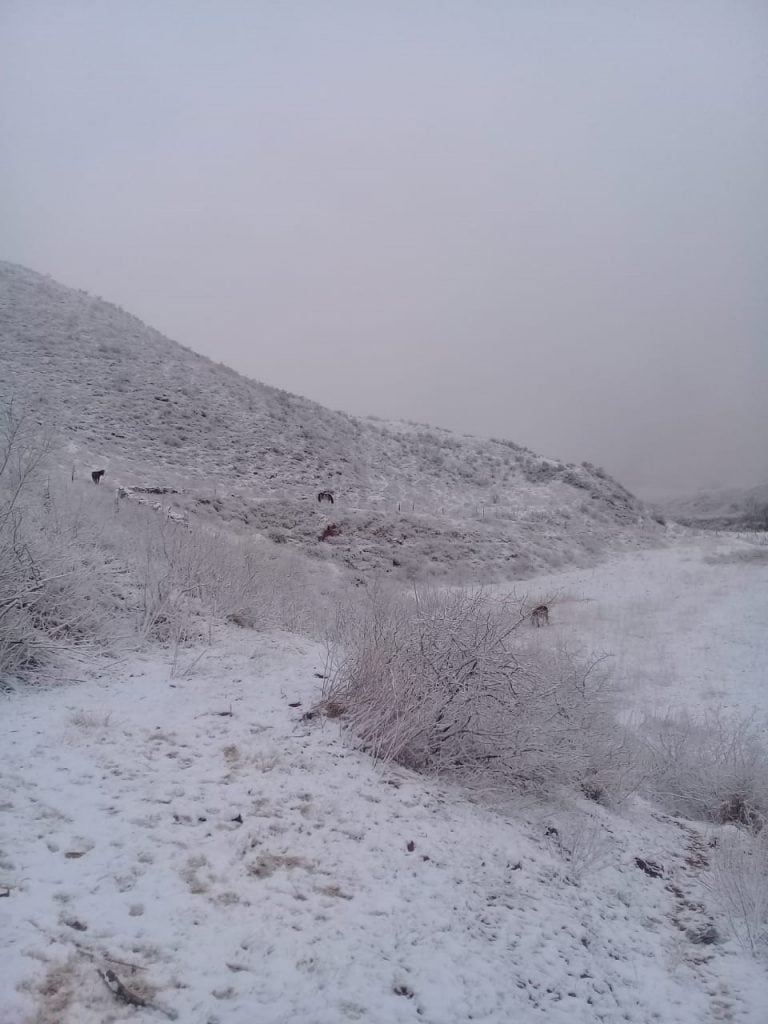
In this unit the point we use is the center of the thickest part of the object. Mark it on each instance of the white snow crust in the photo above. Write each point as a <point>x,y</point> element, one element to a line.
<point>234,863</point>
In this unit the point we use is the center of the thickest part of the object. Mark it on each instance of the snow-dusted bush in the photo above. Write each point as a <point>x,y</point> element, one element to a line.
<point>48,586</point>
<point>80,566</point>
<point>452,681</point>
<point>739,881</point>
<point>714,768</point>
<point>583,843</point>
<point>188,578</point>
<point>20,577</point>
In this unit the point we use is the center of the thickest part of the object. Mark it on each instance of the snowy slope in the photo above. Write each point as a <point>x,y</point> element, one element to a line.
<point>233,862</point>
<point>153,414</point>
<point>680,624</point>
<point>732,509</point>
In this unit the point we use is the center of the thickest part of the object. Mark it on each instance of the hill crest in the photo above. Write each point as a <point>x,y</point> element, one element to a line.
<point>123,397</point>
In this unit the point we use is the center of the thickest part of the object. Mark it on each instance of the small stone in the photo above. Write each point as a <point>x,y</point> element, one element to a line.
<point>704,935</point>
<point>650,867</point>
<point>72,922</point>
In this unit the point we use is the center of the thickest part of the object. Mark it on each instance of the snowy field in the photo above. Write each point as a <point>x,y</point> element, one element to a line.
<point>684,627</point>
<point>195,840</point>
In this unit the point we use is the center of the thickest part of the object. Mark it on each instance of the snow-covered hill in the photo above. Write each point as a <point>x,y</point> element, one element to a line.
<point>732,509</point>
<point>408,498</point>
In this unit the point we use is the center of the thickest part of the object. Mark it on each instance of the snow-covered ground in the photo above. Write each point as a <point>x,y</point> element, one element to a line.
<point>231,862</point>
<point>685,627</point>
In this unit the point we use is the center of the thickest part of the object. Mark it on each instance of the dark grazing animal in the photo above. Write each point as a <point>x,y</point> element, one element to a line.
<point>540,616</point>
<point>325,496</point>
<point>97,474</point>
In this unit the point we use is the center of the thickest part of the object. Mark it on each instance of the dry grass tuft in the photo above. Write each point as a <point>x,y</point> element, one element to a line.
<point>190,873</point>
<point>268,863</point>
<point>90,719</point>
<point>333,890</point>
<point>55,992</point>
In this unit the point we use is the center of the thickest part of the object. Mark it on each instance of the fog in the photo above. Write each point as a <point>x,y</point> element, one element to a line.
<point>538,220</point>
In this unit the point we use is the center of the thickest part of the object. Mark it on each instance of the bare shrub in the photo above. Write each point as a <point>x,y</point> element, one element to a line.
<point>445,681</point>
<point>713,768</point>
<point>193,577</point>
<point>48,586</point>
<point>79,570</point>
<point>739,881</point>
<point>583,843</point>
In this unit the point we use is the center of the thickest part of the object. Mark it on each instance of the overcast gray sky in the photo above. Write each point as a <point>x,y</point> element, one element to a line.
<point>534,219</point>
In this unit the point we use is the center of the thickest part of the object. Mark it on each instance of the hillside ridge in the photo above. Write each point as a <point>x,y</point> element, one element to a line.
<point>742,508</point>
<point>123,397</point>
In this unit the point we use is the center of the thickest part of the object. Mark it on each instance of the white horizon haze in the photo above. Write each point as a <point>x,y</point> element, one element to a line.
<point>545,222</point>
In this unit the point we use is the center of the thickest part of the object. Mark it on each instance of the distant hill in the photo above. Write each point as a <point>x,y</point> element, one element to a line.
<point>408,498</point>
<point>732,509</point>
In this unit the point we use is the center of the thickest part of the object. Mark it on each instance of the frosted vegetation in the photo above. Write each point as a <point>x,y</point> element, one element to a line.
<point>207,522</point>
<point>83,571</point>
<point>441,680</point>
